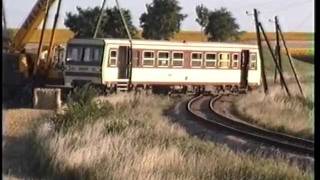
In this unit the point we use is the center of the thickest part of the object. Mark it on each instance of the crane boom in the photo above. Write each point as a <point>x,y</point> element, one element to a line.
<point>31,23</point>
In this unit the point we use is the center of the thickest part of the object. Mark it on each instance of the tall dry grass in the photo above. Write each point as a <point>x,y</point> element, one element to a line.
<point>136,141</point>
<point>277,111</point>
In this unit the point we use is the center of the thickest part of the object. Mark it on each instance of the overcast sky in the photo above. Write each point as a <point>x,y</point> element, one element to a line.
<point>294,15</point>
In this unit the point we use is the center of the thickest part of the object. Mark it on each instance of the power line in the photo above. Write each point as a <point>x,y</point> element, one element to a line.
<point>287,7</point>
<point>303,20</point>
<point>264,5</point>
<point>258,5</point>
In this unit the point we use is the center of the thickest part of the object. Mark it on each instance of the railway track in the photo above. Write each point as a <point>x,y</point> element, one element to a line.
<point>279,140</point>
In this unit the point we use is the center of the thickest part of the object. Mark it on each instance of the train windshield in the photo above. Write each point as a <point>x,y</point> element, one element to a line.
<point>84,54</point>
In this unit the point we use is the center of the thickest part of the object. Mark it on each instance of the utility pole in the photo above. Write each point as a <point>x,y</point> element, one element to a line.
<point>290,60</point>
<point>99,19</point>
<point>274,60</point>
<point>277,51</point>
<point>263,73</point>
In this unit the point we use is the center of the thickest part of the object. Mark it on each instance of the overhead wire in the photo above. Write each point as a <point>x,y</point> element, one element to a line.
<point>257,5</point>
<point>99,19</point>
<point>124,21</point>
<point>4,21</point>
<point>287,7</point>
<point>303,20</point>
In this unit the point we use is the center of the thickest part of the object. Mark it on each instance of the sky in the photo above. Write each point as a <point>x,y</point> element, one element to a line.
<point>293,15</point>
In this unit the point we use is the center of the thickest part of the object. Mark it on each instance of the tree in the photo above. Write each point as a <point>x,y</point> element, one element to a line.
<point>221,26</point>
<point>84,22</point>
<point>202,16</point>
<point>162,19</point>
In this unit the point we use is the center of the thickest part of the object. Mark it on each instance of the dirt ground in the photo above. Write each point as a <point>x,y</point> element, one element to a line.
<point>15,125</point>
<point>16,121</point>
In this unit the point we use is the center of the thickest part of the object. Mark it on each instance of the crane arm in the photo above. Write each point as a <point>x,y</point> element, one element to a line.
<point>31,23</point>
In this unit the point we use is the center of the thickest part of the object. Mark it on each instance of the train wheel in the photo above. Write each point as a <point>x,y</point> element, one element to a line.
<point>148,90</point>
<point>235,89</point>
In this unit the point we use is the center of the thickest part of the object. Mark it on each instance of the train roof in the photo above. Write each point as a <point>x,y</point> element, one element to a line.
<point>180,44</point>
<point>101,41</point>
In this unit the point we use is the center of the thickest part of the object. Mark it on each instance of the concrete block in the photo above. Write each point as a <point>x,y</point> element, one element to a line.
<point>47,98</point>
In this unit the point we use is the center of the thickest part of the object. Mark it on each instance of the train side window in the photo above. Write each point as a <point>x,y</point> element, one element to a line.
<point>196,60</point>
<point>96,54</point>
<point>148,59</point>
<point>163,59</point>
<point>87,54</point>
<point>211,60</point>
<point>113,58</point>
<point>224,60</point>
<point>235,60</point>
<point>177,59</point>
<point>253,61</point>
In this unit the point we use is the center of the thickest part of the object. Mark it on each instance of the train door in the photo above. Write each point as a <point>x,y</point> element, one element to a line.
<point>244,69</point>
<point>123,62</point>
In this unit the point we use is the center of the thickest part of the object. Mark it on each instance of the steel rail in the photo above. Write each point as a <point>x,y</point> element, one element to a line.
<point>291,143</point>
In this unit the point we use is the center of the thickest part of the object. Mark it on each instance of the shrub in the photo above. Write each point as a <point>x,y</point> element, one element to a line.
<point>82,95</point>
<point>81,109</point>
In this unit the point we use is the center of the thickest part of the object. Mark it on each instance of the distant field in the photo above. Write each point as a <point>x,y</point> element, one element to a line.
<point>248,36</point>
<point>304,54</point>
<point>63,35</point>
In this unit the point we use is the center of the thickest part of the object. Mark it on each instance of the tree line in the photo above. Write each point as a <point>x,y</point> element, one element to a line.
<point>161,21</point>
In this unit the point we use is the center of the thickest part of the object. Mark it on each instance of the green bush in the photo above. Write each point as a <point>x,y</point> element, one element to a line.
<point>82,95</point>
<point>81,109</point>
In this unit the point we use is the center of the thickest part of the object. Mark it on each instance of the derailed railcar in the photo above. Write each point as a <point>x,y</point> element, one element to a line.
<point>188,66</point>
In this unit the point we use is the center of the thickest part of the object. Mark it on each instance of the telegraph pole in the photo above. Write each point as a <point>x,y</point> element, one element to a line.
<point>274,60</point>
<point>290,60</point>
<point>278,51</point>
<point>263,73</point>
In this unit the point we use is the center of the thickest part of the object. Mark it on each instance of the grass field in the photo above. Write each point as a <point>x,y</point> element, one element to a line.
<point>304,54</point>
<point>277,111</point>
<point>248,36</point>
<point>132,139</point>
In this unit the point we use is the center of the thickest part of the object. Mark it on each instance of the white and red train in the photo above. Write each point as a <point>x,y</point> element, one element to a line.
<point>117,63</point>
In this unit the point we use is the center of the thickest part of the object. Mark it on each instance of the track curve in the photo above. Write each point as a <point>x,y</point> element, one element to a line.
<point>291,143</point>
